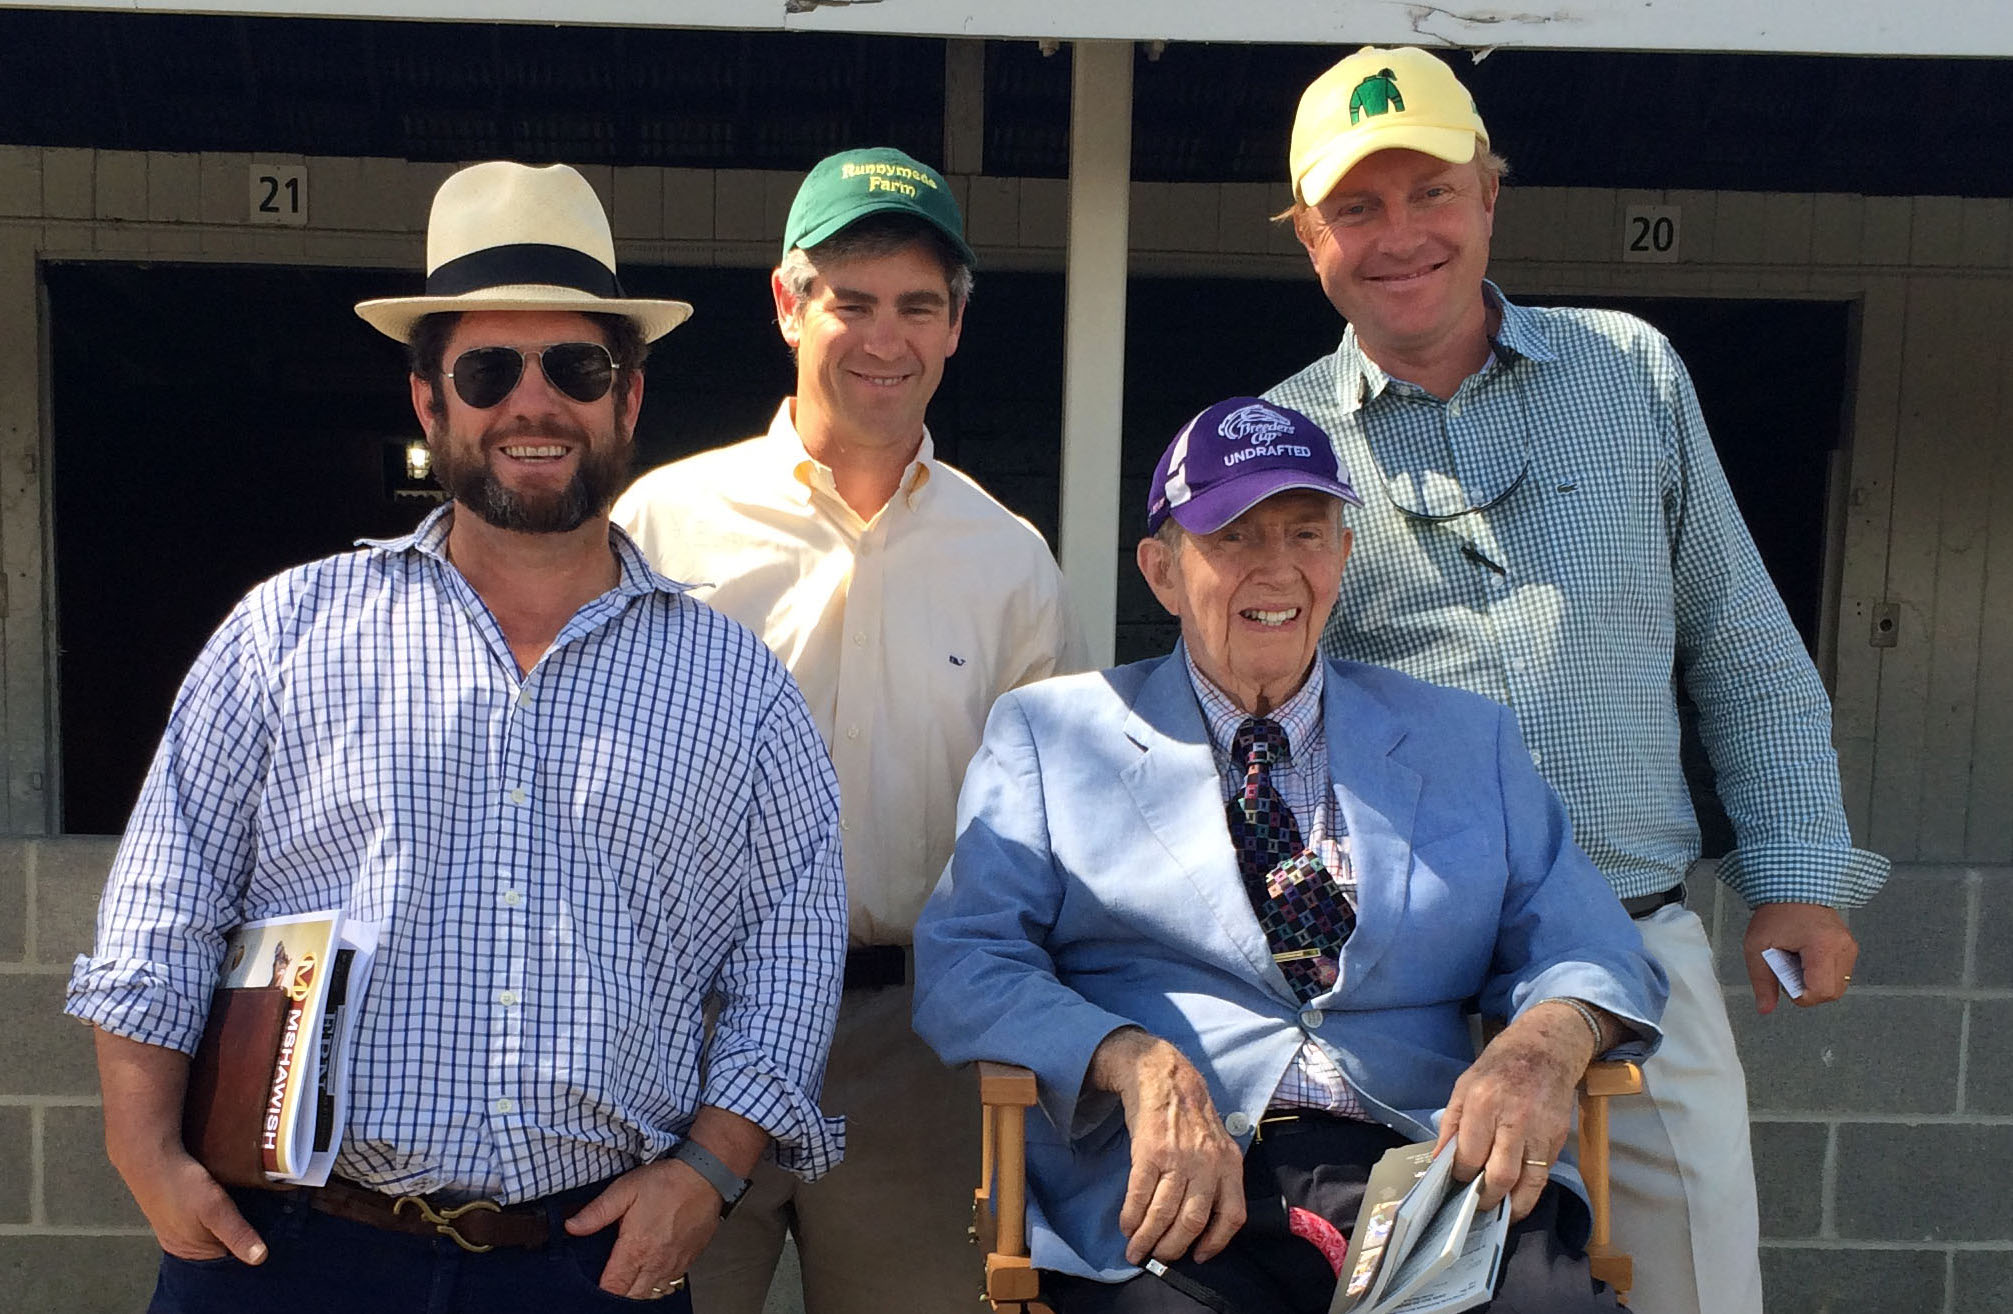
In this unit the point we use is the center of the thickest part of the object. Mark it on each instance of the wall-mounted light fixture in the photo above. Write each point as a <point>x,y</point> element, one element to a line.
<point>408,471</point>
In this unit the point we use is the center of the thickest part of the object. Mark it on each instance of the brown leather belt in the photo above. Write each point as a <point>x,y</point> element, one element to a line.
<point>475,1226</point>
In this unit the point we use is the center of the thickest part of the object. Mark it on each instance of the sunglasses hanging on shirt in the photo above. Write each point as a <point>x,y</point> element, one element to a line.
<point>582,371</point>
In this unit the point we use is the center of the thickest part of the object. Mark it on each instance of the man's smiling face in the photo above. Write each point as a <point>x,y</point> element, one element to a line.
<point>1252,597</point>
<point>871,338</point>
<point>537,461</point>
<point>1401,245</point>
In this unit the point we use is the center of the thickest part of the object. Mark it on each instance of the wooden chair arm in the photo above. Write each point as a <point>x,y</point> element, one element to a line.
<point>999,1205</point>
<point>1604,1080</point>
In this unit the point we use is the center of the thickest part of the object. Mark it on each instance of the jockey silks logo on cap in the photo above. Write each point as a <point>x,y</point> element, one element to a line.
<point>1259,426</point>
<point>1374,95</point>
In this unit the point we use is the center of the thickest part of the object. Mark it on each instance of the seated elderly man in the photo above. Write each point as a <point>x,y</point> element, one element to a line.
<point>1234,1008</point>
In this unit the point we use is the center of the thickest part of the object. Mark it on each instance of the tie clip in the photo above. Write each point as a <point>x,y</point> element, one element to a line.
<point>1296,955</point>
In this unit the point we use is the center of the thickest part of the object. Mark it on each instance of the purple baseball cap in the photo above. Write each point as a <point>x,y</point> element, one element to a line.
<point>1235,455</point>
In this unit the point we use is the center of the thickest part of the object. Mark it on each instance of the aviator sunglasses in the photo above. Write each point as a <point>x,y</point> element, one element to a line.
<point>484,376</point>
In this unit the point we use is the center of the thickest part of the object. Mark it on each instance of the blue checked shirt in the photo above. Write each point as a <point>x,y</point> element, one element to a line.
<point>1558,536</point>
<point>1313,1080</point>
<point>567,864</point>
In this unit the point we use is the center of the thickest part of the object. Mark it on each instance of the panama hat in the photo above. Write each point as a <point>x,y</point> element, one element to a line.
<point>507,236</point>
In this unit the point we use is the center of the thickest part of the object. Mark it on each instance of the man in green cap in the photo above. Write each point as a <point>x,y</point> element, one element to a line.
<point>904,600</point>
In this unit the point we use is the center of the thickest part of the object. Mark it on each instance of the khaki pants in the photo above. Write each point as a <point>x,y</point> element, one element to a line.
<point>1682,1173</point>
<point>885,1230</point>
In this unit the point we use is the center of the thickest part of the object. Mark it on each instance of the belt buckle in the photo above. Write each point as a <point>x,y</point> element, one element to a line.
<point>443,1219</point>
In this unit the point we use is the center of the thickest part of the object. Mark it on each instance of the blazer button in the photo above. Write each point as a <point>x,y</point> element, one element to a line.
<point>1237,1123</point>
<point>1311,1018</point>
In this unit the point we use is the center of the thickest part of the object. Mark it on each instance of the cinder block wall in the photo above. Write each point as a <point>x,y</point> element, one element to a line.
<point>1883,1124</point>
<point>71,1239</point>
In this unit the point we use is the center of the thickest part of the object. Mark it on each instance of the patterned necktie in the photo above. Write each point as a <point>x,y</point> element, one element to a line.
<point>1302,911</point>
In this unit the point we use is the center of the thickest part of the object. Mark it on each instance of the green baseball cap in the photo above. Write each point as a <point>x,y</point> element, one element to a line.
<point>843,189</point>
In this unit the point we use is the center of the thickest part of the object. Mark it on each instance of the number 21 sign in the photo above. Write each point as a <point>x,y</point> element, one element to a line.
<point>279,194</point>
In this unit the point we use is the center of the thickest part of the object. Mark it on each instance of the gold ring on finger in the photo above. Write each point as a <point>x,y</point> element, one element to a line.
<point>1537,1163</point>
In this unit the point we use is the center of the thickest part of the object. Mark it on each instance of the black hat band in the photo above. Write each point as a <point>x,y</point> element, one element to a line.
<point>522,263</point>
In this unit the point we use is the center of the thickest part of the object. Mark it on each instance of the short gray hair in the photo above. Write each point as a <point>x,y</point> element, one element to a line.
<point>875,236</point>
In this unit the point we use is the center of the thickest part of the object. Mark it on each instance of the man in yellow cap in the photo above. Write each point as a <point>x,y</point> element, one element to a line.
<point>1545,522</point>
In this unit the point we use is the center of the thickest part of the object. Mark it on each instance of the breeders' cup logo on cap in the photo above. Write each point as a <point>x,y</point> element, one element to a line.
<point>1261,427</point>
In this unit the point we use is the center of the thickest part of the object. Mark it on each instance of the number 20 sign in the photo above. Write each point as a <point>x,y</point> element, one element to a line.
<point>1650,232</point>
<point>279,194</point>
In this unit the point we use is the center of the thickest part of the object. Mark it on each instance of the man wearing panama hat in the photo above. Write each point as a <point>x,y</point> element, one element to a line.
<point>904,599</point>
<point>1545,523</point>
<point>580,804</point>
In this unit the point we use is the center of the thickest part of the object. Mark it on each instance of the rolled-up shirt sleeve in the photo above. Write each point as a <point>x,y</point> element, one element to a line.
<point>188,850</point>
<point>1764,717</point>
<point>779,987</point>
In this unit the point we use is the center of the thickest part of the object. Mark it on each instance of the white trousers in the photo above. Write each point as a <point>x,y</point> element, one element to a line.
<point>1683,1175</point>
<point>884,1232</point>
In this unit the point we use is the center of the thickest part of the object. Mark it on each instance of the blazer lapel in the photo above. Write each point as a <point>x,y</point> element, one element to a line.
<point>1175,785</point>
<point>1379,797</point>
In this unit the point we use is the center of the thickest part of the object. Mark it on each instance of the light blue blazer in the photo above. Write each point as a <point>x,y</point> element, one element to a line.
<point>1094,887</point>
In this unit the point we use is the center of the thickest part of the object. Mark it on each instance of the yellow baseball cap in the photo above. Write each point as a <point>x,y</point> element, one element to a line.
<point>1379,100</point>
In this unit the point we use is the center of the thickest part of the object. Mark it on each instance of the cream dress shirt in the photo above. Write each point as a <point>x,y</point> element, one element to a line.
<point>901,630</point>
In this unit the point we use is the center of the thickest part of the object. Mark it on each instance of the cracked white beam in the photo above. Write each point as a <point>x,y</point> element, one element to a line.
<point>1851,27</point>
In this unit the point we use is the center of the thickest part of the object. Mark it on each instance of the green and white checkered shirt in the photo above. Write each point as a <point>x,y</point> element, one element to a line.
<point>1559,536</point>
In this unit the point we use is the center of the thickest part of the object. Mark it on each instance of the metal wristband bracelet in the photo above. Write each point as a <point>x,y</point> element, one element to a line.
<point>1586,1015</point>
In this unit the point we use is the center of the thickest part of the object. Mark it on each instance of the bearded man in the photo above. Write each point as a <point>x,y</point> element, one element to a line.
<point>581,805</point>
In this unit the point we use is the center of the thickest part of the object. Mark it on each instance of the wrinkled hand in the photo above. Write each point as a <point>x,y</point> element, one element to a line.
<point>1515,1105</point>
<point>1816,934</point>
<point>668,1213</point>
<point>1187,1180</point>
<point>192,1216</point>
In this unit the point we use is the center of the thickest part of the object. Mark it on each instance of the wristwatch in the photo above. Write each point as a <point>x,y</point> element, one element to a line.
<point>717,1174</point>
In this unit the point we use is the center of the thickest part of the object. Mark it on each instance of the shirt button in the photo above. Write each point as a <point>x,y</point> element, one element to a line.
<point>507,998</point>
<point>1453,410</point>
<point>517,795</point>
<point>1237,1123</point>
<point>852,732</point>
<point>860,639</point>
<point>1311,1018</point>
<point>505,1105</point>
<point>524,697</point>
<point>845,825</point>
<point>1537,758</point>
<point>513,898</point>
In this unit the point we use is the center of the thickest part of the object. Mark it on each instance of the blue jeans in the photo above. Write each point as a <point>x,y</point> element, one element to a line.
<point>315,1261</point>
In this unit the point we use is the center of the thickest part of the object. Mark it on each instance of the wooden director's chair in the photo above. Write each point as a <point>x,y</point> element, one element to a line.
<point>999,1205</point>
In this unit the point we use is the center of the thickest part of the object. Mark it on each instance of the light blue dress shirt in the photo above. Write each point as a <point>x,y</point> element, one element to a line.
<point>1558,536</point>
